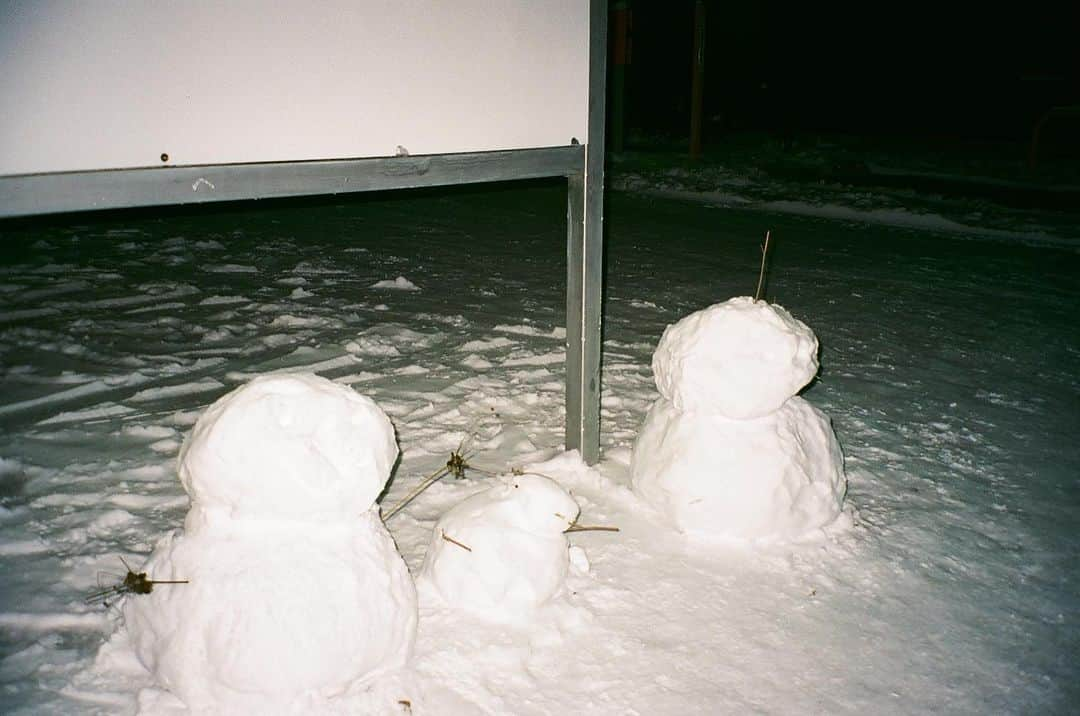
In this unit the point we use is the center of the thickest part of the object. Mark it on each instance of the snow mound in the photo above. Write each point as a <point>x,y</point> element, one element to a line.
<point>775,477</point>
<point>273,614</point>
<point>740,358</point>
<point>397,284</point>
<point>294,446</point>
<point>502,552</point>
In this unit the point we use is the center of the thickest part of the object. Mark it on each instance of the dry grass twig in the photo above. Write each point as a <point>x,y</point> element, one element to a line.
<point>451,540</point>
<point>133,583</point>
<point>455,465</point>
<point>761,274</point>
<point>590,528</point>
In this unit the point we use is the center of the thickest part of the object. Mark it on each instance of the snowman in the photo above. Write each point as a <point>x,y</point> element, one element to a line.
<point>730,450</point>
<point>502,553</point>
<point>294,591</point>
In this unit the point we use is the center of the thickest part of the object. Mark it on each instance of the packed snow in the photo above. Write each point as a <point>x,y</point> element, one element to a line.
<point>292,446</point>
<point>282,473</point>
<point>740,358</point>
<point>503,553</point>
<point>780,476</point>
<point>729,450</point>
<point>948,366</point>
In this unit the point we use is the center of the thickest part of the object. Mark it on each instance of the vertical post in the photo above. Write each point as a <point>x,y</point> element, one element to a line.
<point>576,418</point>
<point>697,83</point>
<point>585,254</point>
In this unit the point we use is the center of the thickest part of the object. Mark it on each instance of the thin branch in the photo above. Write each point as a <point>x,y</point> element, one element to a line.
<point>424,484</point>
<point>761,275</point>
<point>455,465</point>
<point>590,528</point>
<point>451,540</point>
<point>522,471</point>
<point>482,471</point>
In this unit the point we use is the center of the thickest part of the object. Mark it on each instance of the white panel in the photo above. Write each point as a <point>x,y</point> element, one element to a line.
<point>107,84</point>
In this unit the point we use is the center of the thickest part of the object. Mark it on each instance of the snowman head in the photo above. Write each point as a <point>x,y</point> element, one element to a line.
<point>537,504</point>
<point>289,446</point>
<point>740,359</point>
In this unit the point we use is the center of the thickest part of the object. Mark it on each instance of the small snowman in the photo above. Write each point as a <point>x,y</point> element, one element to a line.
<point>295,590</point>
<point>729,450</point>
<point>503,553</point>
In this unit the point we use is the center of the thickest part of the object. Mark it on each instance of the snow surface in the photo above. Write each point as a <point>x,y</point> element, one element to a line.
<point>949,366</point>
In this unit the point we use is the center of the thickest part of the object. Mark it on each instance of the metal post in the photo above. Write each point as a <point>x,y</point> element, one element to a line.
<point>575,302</point>
<point>585,254</point>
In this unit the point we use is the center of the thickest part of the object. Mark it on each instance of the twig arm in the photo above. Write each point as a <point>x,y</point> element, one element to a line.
<point>424,484</point>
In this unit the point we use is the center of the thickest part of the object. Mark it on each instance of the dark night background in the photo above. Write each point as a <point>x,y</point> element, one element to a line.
<point>980,71</point>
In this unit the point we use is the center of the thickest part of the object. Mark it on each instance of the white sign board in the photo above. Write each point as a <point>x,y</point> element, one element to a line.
<point>107,84</point>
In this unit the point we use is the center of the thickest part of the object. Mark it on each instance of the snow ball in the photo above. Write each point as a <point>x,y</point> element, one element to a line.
<point>502,552</point>
<point>292,446</point>
<point>273,614</point>
<point>740,358</point>
<point>777,477</point>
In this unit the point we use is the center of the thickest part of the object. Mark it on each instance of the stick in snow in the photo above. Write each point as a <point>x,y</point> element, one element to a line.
<point>451,540</point>
<point>761,275</point>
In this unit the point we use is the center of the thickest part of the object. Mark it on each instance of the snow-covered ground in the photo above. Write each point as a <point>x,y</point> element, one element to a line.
<point>950,367</point>
<point>967,188</point>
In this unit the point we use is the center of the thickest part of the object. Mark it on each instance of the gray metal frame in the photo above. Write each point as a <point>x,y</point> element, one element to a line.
<point>582,165</point>
<point>28,194</point>
<point>585,259</point>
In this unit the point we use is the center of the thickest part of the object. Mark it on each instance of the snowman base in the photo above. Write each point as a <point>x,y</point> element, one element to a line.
<point>272,612</point>
<point>776,477</point>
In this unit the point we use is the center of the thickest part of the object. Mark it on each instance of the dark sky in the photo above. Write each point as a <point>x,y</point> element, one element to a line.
<point>976,71</point>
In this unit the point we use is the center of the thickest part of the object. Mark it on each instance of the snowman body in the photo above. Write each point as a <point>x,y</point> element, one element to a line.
<point>295,590</point>
<point>502,553</point>
<point>729,450</point>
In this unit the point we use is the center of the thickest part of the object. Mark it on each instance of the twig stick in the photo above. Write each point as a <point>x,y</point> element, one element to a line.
<point>761,275</point>
<point>515,471</point>
<point>424,484</point>
<point>451,540</point>
<point>523,471</point>
<point>482,471</point>
<point>590,528</point>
